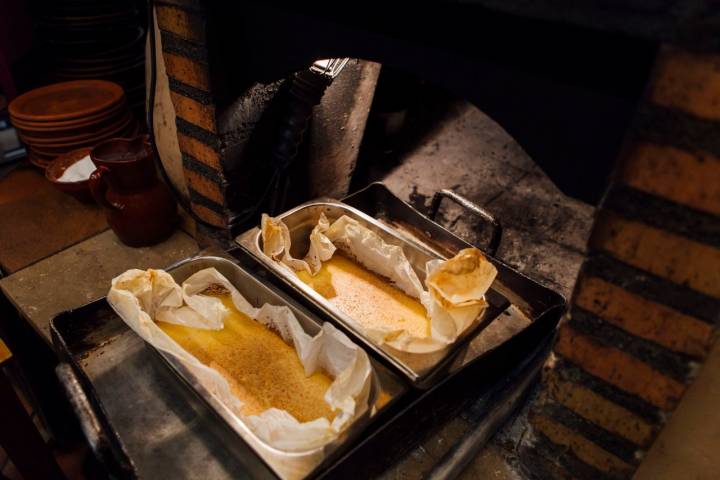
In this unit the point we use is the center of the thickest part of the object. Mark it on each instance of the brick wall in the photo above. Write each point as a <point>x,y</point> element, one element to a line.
<point>222,138</point>
<point>647,302</point>
<point>184,50</point>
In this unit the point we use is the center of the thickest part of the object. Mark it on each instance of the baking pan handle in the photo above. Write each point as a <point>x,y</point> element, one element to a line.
<point>90,422</point>
<point>475,209</point>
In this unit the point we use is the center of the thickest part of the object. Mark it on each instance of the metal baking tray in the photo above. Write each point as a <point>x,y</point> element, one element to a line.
<point>159,428</point>
<point>386,388</point>
<point>422,370</point>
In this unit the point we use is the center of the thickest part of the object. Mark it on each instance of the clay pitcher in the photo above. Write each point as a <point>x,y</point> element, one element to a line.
<point>139,207</point>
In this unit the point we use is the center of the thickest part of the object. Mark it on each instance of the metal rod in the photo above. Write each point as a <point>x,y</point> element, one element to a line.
<point>502,403</point>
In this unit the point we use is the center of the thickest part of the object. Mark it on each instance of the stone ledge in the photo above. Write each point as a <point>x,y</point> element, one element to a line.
<point>84,270</point>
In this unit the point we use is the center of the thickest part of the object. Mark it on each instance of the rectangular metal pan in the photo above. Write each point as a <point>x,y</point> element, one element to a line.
<point>422,370</point>
<point>386,388</point>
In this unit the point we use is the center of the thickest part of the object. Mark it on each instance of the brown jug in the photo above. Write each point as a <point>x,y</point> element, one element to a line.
<point>139,207</point>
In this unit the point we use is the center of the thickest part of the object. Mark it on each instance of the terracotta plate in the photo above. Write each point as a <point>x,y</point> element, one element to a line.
<point>43,158</point>
<point>66,100</point>
<point>60,149</point>
<point>62,138</point>
<point>69,125</point>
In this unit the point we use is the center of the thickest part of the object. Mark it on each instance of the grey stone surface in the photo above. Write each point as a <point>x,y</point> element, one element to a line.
<point>544,260</point>
<point>490,464</point>
<point>545,232</point>
<point>533,204</point>
<point>337,129</point>
<point>237,122</point>
<point>82,273</point>
<point>468,152</point>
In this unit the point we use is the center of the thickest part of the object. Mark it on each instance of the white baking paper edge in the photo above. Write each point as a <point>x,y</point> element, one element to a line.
<point>447,321</point>
<point>139,296</point>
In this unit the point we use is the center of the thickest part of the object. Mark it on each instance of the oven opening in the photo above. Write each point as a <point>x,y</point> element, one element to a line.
<point>421,139</point>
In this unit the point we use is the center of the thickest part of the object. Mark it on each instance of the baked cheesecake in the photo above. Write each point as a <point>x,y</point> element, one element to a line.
<point>367,298</point>
<point>263,371</point>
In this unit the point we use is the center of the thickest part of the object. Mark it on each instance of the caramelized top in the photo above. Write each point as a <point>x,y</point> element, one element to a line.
<point>263,371</point>
<point>367,298</point>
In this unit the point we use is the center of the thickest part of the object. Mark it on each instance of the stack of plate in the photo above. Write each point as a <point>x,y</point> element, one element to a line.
<point>98,39</point>
<point>58,118</point>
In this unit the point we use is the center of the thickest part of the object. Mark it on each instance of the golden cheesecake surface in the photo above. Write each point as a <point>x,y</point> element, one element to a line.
<point>366,297</point>
<point>263,371</point>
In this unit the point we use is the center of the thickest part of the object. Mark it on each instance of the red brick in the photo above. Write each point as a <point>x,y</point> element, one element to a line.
<point>584,449</point>
<point>209,216</point>
<point>205,186</point>
<point>691,179</point>
<point>644,318</point>
<point>688,81</point>
<point>187,71</point>
<point>668,255</point>
<point>599,410</point>
<point>619,368</point>
<point>182,23</point>
<point>194,112</point>
<point>200,151</point>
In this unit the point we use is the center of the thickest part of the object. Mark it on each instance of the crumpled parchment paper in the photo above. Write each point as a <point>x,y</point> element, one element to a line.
<point>143,297</point>
<point>455,294</point>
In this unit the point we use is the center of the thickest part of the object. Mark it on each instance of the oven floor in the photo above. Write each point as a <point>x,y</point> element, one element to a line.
<point>466,151</point>
<point>545,234</point>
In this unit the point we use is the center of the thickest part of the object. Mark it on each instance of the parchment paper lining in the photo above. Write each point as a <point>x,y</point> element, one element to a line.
<point>455,296</point>
<point>143,297</point>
